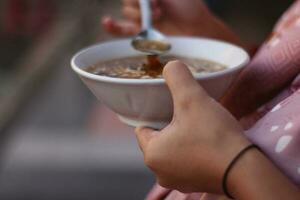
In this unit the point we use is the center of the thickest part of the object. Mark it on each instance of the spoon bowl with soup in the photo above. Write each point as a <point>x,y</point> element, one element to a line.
<point>149,40</point>
<point>119,76</point>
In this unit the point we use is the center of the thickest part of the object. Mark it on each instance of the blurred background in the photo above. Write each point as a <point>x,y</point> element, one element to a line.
<point>57,142</point>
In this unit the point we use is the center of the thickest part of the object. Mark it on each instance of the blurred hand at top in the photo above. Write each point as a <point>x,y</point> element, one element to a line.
<point>171,17</point>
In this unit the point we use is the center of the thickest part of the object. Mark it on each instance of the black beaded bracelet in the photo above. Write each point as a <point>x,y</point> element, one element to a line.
<point>224,181</point>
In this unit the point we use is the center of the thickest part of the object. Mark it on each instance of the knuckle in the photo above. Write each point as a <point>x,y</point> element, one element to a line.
<point>151,160</point>
<point>185,103</point>
<point>194,92</point>
<point>191,96</point>
<point>164,183</point>
<point>191,99</point>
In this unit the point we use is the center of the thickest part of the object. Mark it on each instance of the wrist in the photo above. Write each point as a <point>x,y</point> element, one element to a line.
<point>237,182</point>
<point>255,177</point>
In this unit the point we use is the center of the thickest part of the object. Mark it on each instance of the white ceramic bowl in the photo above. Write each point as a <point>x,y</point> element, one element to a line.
<point>147,102</point>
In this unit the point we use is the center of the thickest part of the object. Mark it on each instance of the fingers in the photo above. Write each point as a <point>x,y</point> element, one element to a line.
<point>183,87</point>
<point>132,13</point>
<point>144,135</point>
<point>119,28</point>
<point>131,10</point>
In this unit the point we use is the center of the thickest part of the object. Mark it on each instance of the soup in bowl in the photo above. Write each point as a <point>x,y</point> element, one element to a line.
<point>132,86</point>
<point>150,66</point>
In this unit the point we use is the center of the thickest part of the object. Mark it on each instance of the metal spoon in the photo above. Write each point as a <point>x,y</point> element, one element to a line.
<point>149,40</point>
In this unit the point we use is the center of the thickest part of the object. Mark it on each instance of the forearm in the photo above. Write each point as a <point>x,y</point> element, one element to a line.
<point>254,177</point>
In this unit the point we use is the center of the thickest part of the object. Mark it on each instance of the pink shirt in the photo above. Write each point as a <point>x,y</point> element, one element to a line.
<point>266,97</point>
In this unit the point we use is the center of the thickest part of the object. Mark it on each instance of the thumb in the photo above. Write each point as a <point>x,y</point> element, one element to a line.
<point>144,136</point>
<point>183,87</point>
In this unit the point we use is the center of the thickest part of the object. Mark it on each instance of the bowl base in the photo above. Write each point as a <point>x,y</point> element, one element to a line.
<point>137,122</point>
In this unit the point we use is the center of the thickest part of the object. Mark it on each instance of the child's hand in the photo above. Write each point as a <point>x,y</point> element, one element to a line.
<point>172,17</point>
<point>192,152</point>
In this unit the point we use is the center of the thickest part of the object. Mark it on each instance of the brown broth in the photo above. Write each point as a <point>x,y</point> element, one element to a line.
<point>141,67</point>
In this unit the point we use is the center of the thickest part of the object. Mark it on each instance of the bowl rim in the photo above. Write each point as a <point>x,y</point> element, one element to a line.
<point>108,79</point>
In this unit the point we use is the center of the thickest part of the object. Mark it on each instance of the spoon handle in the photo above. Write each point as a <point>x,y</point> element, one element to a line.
<point>146,14</point>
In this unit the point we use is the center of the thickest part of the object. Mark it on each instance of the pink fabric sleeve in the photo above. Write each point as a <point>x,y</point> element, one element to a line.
<point>278,134</point>
<point>273,68</point>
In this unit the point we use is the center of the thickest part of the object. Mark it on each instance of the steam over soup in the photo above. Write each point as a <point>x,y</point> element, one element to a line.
<point>141,67</point>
